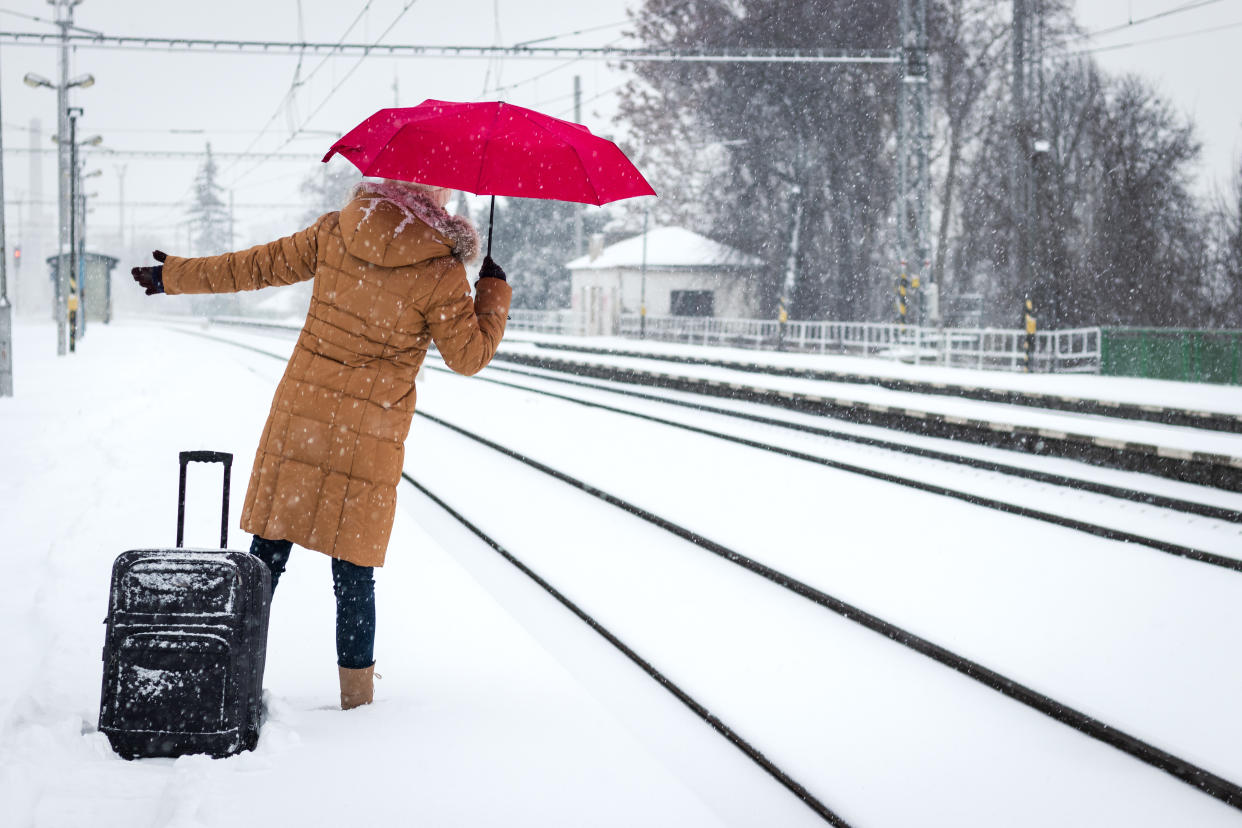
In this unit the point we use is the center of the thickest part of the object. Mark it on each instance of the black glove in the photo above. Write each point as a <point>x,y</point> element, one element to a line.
<point>151,278</point>
<point>491,270</point>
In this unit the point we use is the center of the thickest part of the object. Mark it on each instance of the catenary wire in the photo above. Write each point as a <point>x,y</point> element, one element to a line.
<point>335,88</point>
<point>1162,39</point>
<point>1185,7</point>
<point>294,83</point>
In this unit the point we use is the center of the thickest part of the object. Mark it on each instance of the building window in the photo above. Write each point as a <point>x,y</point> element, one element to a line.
<point>692,303</point>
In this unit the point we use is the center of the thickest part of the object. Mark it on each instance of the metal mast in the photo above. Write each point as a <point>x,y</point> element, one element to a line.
<point>64,18</point>
<point>1019,177</point>
<point>6,308</point>
<point>913,181</point>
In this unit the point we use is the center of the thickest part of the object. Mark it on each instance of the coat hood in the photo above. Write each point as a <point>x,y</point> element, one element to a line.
<point>390,225</point>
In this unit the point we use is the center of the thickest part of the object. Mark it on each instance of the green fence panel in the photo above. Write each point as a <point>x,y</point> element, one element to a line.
<point>1172,354</point>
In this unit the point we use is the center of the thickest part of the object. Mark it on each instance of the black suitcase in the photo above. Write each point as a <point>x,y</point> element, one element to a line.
<point>186,643</point>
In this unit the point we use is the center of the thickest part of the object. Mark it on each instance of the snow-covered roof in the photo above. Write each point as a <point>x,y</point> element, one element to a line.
<point>667,247</point>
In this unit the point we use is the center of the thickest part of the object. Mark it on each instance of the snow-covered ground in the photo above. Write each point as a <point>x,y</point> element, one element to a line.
<point>477,722</point>
<point>497,707</point>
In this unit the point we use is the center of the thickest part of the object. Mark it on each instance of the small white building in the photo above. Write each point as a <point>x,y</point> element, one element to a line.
<point>685,274</point>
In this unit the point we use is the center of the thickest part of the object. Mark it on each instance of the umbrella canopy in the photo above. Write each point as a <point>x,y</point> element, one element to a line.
<point>494,149</point>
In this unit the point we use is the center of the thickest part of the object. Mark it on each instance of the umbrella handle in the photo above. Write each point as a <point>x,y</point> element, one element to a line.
<point>491,220</point>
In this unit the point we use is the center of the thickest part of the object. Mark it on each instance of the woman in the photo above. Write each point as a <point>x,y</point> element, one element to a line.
<point>389,282</point>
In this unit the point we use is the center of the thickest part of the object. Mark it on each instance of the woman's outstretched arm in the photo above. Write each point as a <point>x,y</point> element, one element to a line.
<point>281,262</point>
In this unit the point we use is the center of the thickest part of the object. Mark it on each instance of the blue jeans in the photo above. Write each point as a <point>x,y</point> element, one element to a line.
<point>354,587</point>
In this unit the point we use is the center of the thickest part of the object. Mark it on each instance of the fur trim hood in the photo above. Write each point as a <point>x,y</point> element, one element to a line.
<point>390,224</point>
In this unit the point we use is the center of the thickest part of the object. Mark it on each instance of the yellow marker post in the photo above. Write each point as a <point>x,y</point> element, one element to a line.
<point>1028,346</point>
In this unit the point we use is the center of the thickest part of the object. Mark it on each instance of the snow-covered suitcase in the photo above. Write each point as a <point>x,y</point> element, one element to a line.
<point>186,644</point>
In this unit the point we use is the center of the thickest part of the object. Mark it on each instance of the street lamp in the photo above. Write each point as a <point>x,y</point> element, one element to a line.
<point>35,81</point>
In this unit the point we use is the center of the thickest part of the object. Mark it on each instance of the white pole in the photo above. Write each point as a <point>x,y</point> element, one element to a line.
<point>6,309</point>
<point>64,18</point>
<point>642,300</point>
<point>120,224</point>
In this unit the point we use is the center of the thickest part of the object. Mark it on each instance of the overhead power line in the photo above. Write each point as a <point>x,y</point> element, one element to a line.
<point>332,91</point>
<point>571,34</point>
<point>407,50</point>
<point>196,155</point>
<point>1184,7</point>
<point>1164,38</point>
<point>45,20</point>
<point>94,202</point>
<point>300,81</point>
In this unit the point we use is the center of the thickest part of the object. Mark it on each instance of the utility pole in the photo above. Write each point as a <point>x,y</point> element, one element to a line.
<point>913,179</point>
<point>120,224</point>
<point>73,302</point>
<point>1020,154</point>
<point>578,208</point>
<point>64,19</point>
<point>6,308</point>
<point>642,299</point>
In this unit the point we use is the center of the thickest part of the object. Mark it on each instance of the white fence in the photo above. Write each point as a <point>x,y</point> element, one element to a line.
<point>564,322</point>
<point>1076,350</point>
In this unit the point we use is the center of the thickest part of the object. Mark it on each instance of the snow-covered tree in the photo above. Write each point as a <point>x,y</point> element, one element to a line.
<point>209,213</point>
<point>326,189</point>
<point>211,233</point>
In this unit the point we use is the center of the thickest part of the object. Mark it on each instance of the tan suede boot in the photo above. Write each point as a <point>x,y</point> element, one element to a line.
<point>357,686</point>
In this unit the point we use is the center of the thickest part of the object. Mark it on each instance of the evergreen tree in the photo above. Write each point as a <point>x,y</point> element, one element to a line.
<point>326,189</point>
<point>209,214</point>
<point>211,233</point>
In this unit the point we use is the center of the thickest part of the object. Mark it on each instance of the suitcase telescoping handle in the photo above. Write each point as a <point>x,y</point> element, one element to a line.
<point>205,457</point>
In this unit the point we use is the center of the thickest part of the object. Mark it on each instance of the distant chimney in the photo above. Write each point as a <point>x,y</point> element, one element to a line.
<point>597,246</point>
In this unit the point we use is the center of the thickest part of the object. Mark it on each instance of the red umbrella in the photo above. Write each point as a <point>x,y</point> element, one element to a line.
<point>492,149</point>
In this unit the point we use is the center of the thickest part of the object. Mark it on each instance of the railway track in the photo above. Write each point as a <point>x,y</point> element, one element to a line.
<point>1200,778</point>
<point>1064,480</point>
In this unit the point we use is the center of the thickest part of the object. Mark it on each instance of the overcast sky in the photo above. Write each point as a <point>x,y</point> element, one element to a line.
<point>141,96</point>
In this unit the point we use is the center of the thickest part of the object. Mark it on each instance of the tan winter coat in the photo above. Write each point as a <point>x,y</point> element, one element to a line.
<point>389,281</point>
